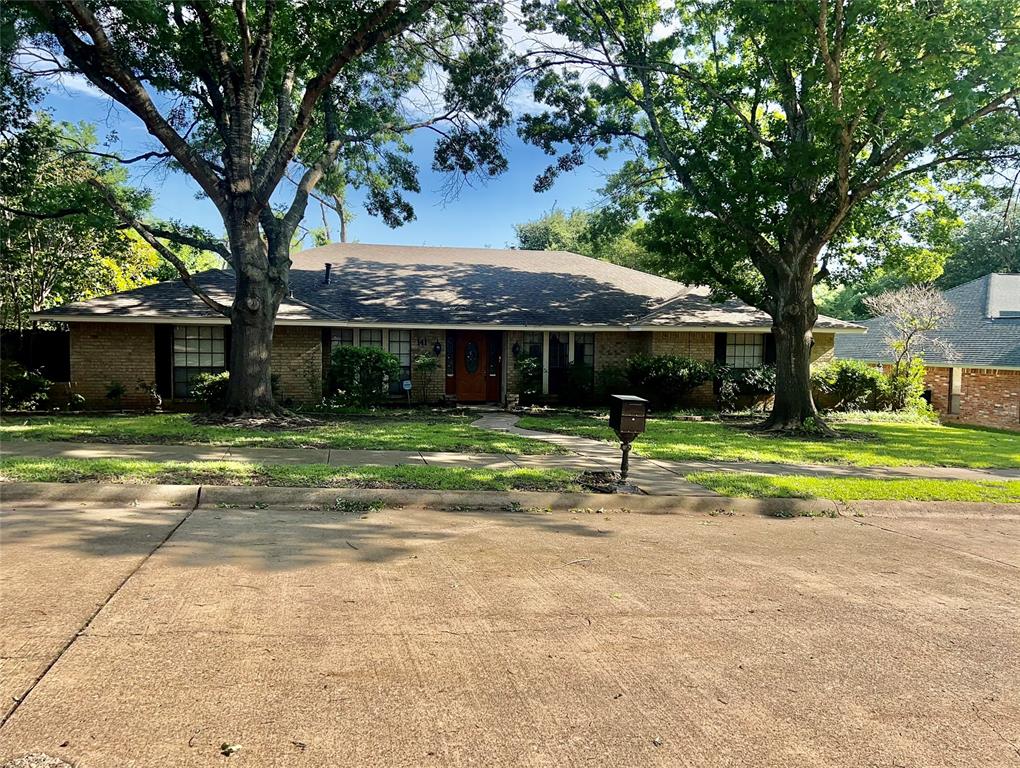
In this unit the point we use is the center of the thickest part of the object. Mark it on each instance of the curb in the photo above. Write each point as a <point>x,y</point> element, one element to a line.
<point>211,496</point>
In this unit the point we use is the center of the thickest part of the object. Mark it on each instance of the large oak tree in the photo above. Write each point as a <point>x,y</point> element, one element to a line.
<point>240,94</point>
<point>769,139</point>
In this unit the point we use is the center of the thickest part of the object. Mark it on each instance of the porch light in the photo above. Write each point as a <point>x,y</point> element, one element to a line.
<point>516,349</point>
<point>437,348</point>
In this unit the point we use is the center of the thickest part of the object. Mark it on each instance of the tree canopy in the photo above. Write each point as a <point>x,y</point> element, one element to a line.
<point>240,94</point>
<point>580,232</point>
<point>770,142</point>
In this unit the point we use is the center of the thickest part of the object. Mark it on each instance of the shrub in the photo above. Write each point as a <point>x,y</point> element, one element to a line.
<point>530,370</point>
<point>611,380</point>
<point>748,383</point>
<point>20,388</point>
<point>211,389</point>
<point>664,380</point>
<point>849,385</point>
<point>904,387</point>
<point>115,393</point>
<point>580,383</point>
<point>359,376</point>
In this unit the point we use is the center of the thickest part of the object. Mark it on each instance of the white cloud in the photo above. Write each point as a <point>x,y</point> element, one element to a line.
<point>49,67</point>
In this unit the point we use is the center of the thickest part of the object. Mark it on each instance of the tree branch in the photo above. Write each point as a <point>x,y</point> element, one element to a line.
<point>151,238</point>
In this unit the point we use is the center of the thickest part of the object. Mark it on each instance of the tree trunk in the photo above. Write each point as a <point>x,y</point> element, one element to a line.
<point>793,409</point>
<point>259,291</point>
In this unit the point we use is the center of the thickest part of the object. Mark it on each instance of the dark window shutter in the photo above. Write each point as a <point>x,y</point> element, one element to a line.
<point>770,349</point>
<point>164,344</point>
<point>720,349</point>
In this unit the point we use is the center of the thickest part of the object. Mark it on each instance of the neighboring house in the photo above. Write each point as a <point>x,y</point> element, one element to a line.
<point>478,310</point>
<point>978,382</point>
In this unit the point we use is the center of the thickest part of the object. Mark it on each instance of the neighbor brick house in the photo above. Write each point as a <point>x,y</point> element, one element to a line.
<point>478,310</point>
<point>978,381</point>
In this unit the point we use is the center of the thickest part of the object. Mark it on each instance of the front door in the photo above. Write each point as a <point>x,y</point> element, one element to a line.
<point>472,366</point>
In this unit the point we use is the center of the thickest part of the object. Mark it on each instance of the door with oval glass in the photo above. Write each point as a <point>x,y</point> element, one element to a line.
<point>472,366</point>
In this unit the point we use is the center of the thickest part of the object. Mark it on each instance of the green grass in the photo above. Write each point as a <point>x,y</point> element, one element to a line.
<point>870,444</point>
<point>857,489</point>
<point>60,470</point>
<point>413,432</point>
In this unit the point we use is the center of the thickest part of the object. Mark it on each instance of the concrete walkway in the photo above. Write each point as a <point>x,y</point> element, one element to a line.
<point>505,422</point>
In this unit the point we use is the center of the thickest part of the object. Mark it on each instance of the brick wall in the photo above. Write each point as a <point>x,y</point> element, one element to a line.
<point>102,353</point>
<point>297,362</point>
<point>422,342</point>
<point>824,349</point>
<point>989,398</point>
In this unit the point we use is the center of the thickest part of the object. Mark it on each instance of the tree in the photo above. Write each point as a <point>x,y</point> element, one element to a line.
<point>988,243</point>
<point>582,232</point>
<point>913,314</point>
<point>770,138</point>
<point>60,242</point>
<point>237,92</point>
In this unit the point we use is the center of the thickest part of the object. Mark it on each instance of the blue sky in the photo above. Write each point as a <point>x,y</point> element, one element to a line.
<point>481,215</point>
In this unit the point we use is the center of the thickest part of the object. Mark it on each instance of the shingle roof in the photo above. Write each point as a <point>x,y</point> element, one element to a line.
<point>982,332</point>
<point>451,286</point>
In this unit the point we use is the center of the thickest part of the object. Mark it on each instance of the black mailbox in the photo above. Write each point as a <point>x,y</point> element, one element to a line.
<point>627,414</point>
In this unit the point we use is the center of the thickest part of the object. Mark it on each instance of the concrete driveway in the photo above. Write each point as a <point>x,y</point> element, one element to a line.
<point>152,636</point>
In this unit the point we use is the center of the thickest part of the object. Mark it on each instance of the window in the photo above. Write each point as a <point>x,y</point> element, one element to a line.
<point>197,349</point>
<point>584,349</point>
<point>533,344</point>
<point>744,350</point>
<point>370,337</point>
<point>342,337</point>
<point>400,347</point>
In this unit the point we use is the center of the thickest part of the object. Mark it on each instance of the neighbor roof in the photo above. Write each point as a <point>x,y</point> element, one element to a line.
<point>416,285</point>
<point>984,331</point>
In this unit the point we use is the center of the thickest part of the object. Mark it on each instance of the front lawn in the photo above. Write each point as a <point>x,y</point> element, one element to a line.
<point>411,432</point>
<point>856,489</point>
<point>872,444</point>
<point>60,470</point>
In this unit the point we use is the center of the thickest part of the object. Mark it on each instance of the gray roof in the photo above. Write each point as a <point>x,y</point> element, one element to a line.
<point>411,285</point>
<point>984,331</point>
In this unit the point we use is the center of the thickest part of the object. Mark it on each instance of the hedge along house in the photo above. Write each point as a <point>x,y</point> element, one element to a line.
<point>477,310</point>
<point>979,382</point>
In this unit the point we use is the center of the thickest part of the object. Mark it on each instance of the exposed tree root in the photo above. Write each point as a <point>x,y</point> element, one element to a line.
<point>277,420</point>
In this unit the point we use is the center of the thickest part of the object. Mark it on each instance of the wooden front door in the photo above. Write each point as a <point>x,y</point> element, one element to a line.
<point>472,366</point>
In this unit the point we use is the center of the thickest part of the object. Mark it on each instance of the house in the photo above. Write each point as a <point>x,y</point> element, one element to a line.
<point>477,310</point>
<point>978,381</point>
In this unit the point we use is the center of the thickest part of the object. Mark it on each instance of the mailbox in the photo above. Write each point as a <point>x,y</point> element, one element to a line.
<point>627,415</point>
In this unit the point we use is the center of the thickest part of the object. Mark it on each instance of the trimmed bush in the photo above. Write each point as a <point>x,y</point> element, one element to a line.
<point>664,380</point>
<point>211,390</point>
<point>20,388</point>
<point>849,385</point>
<point>360,376</point>
<point>747,384</point>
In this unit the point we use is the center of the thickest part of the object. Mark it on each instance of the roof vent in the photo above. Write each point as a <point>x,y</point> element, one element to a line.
<point>329,268</point>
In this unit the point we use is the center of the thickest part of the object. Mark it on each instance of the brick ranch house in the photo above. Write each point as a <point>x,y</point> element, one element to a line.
<point>477,310</point>
<point>979,383</point>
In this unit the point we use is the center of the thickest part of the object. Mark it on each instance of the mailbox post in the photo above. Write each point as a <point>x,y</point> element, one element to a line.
<point>627,415</point>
